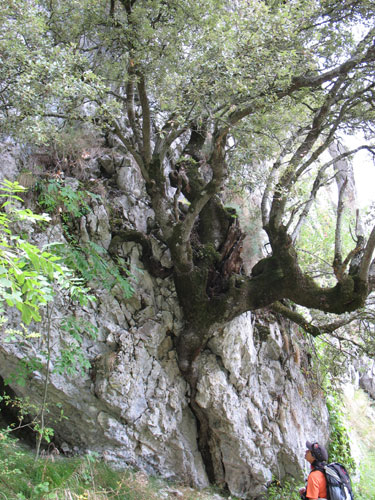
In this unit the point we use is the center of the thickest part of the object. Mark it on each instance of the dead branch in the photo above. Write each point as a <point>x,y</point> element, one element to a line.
<point>301,321</point>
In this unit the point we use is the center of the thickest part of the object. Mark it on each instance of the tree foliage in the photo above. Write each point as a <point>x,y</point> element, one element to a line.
<point>27,273</point>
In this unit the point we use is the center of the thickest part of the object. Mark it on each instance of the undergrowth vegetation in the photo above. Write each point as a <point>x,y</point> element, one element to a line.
<point>86,478</point>
<point>339,444</point>
<point>287,489</point>
<point>89,260</point>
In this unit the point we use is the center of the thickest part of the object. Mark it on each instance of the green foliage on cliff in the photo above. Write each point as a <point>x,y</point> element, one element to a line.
<point>339,443</point>
<point>29,279</point>
<point>56,196</point>
<point>27,273</point>
<point>286,489</point>
<point>92,263</point>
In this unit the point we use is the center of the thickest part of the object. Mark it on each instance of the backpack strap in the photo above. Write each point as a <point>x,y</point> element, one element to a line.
<point>331,474</point>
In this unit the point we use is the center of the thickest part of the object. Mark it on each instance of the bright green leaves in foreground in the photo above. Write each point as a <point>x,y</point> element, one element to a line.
<point>27,273</point>
<point>29,277</point>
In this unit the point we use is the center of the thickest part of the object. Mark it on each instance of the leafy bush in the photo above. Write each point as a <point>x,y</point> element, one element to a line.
<point>25,270</point>
<point>282,490</point>
<point>28,277</point>
<point>55,195</point>
<point>53,477</point>
<point>27,273</point>
<point>339,444</point>
<point>93,264</point>
<point>89,260</point>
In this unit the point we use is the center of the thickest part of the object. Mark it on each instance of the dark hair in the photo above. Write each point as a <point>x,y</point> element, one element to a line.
<point>318,451</point>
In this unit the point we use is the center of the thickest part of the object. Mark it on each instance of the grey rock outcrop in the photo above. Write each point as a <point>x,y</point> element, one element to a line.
<point>367,376</point>
<point>133,405</point>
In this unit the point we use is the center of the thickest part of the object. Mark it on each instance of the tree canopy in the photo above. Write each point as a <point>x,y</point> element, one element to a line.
<point>203,94</point>
<point>206,90</point>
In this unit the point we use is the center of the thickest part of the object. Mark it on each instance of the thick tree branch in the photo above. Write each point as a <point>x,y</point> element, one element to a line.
<point>149,260</point>
<point>200,197</point>
<point>359,56</point>
<point>346,296</point>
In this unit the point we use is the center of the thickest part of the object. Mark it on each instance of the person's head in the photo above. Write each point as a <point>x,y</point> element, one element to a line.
<point>315,451</point>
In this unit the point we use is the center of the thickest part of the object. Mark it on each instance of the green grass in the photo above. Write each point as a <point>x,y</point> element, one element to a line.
<point>85,478</point>
<point>60,478</point>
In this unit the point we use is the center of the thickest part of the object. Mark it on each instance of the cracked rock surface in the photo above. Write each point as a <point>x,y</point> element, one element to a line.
<point>133,405</point>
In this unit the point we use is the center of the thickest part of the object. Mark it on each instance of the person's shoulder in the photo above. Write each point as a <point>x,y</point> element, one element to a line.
<point>317,473</point>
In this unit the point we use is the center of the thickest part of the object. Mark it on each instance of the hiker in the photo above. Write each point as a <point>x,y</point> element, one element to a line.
<point>316,487</point>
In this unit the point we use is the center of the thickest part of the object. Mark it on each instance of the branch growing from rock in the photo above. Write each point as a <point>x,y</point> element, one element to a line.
<point>150,261</point>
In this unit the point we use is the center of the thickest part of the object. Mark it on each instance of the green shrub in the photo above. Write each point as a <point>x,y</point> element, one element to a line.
<point>92,263</point>
<point>54,477</point>
<point>55,195</point>
<point>339,443</point>
<point>282,490</point>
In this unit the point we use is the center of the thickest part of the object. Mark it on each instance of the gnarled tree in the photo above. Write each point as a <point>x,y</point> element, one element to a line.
<point>195,91</point>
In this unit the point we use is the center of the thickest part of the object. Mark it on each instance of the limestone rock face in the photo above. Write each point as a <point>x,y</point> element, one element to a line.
<point>260,405</point>
<point>367,377</point>
<point>133,405</point>
<point>9,160</point>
